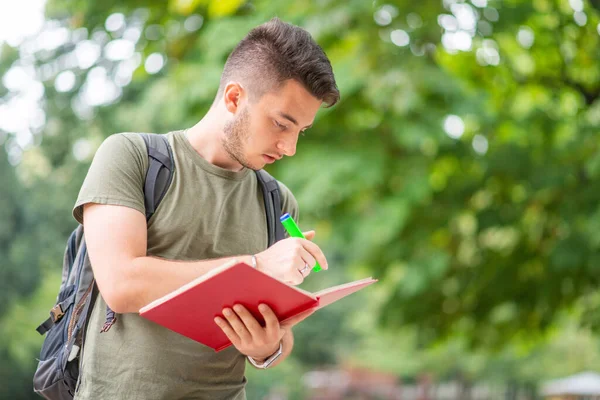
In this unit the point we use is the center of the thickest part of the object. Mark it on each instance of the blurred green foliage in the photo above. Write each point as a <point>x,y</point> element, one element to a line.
<point>460,168</point>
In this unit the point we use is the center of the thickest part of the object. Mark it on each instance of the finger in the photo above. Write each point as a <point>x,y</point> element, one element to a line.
<point>301,260</point>
<point>271,320</point>
<point>295,278</point>
<point>237,325</point>
<point>296,319</point>
<point>248,319</point>
<point>315,251</point>
<point>309,235</point>
<point>308,260</point>
<point>302,274</point>
<point>228,331</point>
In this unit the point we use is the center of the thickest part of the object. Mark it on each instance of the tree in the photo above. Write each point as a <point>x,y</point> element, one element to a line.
<point>459,168</point>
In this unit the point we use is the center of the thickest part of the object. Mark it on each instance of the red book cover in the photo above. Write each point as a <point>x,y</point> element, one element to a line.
<point>191,309</point>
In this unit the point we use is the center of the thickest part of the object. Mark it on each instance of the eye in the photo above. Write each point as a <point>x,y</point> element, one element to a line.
<point>280,126</point>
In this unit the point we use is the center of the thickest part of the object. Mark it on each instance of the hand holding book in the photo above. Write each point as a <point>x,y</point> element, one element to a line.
<point>247,334</point>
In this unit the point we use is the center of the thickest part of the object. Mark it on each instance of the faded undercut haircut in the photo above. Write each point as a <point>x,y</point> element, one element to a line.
<point>275,52</point>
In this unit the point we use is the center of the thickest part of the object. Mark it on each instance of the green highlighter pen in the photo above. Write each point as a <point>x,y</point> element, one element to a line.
<point>290,226</point>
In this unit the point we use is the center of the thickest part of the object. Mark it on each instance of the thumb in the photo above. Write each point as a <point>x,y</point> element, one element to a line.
<point>309,235</point>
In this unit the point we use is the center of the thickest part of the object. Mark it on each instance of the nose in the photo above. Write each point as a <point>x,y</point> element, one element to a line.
<point>288,146</point>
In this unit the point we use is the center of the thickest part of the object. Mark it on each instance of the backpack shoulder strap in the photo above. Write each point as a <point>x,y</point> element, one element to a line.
<point>161,168</point>
<point>272,197</point>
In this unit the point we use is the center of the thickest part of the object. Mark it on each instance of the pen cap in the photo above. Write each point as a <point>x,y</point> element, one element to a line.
<point>284,217</point>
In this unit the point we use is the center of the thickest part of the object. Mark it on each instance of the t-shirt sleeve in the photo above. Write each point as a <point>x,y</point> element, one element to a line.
<point>116,175</point>
<point>288,203</point>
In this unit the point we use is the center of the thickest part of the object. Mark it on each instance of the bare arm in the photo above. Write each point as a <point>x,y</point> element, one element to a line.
<point>116,237</point>
<point>126,277</point>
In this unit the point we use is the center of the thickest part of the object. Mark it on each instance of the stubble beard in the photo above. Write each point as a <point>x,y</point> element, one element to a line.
<point>236,134</point>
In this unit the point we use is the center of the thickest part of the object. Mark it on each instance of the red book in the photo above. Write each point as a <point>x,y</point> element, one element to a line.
<point>191,309</point>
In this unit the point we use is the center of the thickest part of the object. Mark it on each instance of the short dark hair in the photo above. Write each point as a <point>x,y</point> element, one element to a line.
<point>277,51</point>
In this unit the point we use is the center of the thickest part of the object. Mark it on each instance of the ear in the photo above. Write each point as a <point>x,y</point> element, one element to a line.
<point>233,95</point>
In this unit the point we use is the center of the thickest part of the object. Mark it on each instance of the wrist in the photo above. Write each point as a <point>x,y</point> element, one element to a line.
<point>258,360</point>
<point>266,362</point>
<point>263,357</point>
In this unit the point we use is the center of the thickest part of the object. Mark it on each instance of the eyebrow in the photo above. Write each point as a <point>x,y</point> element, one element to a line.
<point>292,119</point>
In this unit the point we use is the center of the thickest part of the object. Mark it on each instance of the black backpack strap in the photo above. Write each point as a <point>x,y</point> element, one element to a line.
<point>161,168</point>
<point>272,197</point>
<point>56,314</point>
<point>45,326</point>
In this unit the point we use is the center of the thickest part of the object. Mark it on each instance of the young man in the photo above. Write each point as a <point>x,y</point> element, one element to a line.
<point>273,84</point>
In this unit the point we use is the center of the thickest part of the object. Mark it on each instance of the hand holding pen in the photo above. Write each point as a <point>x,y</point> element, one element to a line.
<point>292,259</point>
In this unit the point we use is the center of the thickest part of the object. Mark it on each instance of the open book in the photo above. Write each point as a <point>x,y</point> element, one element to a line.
<point>191,309</point>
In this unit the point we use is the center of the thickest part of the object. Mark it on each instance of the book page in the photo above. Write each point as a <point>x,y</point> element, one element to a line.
<point>335,293</point>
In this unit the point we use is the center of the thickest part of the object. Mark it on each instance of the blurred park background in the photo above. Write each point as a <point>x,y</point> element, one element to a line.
<point>460,168</point>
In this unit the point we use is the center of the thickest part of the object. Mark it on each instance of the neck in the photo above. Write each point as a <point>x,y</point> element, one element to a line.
<point>206,137</point>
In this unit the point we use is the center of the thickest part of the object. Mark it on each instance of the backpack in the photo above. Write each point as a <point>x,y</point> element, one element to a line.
<point>58,367</point>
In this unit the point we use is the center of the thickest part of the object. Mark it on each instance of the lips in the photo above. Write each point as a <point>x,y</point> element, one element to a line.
<point>268,159</point>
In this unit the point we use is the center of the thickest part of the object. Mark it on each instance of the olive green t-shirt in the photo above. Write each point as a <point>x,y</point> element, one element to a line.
<point>208,212</point>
